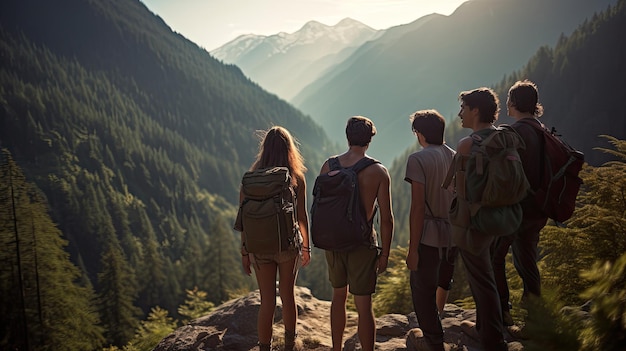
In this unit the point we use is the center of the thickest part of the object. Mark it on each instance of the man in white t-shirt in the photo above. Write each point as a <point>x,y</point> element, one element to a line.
<point>431,254</point>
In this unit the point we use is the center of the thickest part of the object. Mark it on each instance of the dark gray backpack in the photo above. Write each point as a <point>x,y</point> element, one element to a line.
<point>338,220</point>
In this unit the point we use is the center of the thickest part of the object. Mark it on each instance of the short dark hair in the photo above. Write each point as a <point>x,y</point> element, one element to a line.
<point>431,124</point>
<point>359,131</point>
<point>486,100</point>
<point>524,96</point>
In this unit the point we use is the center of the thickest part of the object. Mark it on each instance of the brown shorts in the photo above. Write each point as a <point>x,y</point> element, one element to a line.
<point>281,257</point>
<point>355,268</point>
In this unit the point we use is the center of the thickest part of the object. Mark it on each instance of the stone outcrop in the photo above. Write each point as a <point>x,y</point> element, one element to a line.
<point>232,326</point>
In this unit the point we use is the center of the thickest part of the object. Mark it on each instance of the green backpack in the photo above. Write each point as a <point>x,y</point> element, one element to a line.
<point>489,185</point>
<point>267,215</point>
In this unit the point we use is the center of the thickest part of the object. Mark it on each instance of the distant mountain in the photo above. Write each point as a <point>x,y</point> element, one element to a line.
<point>425,64</point>
<point>285,63</point>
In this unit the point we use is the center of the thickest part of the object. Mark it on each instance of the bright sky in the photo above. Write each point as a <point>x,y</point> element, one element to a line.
<point>213,23</point>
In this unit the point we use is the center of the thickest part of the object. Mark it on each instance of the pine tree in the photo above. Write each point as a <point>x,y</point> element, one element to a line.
<point>151,269</point>
<point>118,291</point>
<point>221,266</point>
<point>54,312</point>
<point>606,329</point>
<point>151,331</point>
<point>196,305</point>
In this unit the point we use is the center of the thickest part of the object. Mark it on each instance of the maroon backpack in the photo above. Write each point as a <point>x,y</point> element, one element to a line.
<point>560,165</point>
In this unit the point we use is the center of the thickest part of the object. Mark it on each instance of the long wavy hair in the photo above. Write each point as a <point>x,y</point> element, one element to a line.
<point>279,149</point>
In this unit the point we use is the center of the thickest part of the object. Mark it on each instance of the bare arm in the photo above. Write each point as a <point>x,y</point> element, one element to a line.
<point>465,146</point>
<point>386,218</point>
<point>303,221</point>
<point>245,256</point>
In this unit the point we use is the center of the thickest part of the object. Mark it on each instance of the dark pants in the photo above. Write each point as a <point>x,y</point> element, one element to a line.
<point>482,282</point>
<point>525,255</point>
<point>446,268</point>
<point>435,268</point>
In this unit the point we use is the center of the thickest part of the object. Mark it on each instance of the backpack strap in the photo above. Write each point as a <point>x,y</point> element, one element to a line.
<point>358,167</point>
<point>363,163</point>
<point>449,175</point>
<point>478,140</point>
<point>333,163</point>
<point>456,165</point>
<point>426,201</point>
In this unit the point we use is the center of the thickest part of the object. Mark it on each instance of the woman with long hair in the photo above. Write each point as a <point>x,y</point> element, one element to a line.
<point>279,149</point>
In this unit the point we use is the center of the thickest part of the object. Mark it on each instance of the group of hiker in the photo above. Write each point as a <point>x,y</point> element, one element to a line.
<point>457,205</point>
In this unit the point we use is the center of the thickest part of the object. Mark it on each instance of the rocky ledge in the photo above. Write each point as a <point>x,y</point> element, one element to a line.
<point>232,326</point>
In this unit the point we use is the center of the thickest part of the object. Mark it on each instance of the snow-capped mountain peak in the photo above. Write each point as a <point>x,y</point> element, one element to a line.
<point>346,33</point>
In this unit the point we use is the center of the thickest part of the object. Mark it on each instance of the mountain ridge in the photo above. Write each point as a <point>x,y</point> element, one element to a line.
<point>284,63</point>
<point>283,41</point>
<point>426,63</point>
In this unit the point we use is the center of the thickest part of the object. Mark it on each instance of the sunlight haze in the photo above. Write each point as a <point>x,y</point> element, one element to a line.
<point>213,23</point>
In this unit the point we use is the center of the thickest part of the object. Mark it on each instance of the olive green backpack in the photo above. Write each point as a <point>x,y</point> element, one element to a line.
<point>489,185</point>
<point>267,215</point>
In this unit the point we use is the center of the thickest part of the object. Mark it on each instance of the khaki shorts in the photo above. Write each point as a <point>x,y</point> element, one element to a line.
<point>278,258</point>
<point>355,268</point>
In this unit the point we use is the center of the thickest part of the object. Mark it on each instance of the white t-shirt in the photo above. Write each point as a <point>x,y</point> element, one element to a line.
<point>429,166</point>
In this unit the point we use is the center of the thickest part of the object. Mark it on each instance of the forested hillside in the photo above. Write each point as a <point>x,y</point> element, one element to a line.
<point>134,140</point>
<point>579,82</point>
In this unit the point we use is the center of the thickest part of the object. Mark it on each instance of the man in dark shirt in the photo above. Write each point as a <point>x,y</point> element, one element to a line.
<point>522,104</point>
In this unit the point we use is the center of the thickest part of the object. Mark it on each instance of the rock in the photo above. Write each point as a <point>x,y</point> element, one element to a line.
<point>415,340</point>
<point>232,326</point>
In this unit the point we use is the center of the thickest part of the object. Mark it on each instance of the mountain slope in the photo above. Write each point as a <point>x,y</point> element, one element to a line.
<point>138,139</point>
<point>579,82</point>
<point>426,64</point>
<point>285,63</point>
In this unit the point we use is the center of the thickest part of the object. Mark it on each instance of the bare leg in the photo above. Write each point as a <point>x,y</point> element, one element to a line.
<point>367,324</point>
<point>286,283</point>
<point>266,279</point>
<point>338,316</point>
